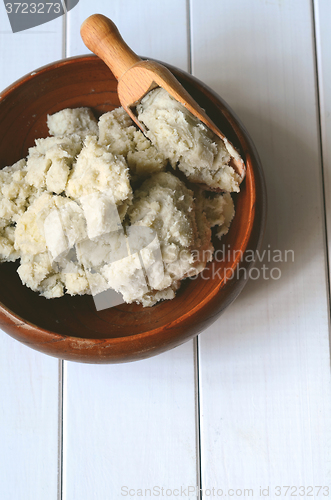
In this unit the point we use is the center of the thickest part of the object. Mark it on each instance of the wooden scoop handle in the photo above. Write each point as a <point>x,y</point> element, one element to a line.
<point>102,37</point>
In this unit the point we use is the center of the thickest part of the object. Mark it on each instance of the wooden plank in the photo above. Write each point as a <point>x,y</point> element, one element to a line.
<point>29,381</point>
<point>322,10</point>
<point>43,44</point>
<point>29,422</point>
<point>265,365</point>
<point>130,427</point>
<point>155,30</point>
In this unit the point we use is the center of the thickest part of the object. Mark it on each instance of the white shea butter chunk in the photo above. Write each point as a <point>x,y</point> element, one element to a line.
<point>76,283</point>
<point>80,121</point>
<point>101,213</point>
<point>7,241</point>
<point>49,162</point>
<point>92,210</point>
<point>165,205</point>
<point>15,196</point>
<point>217,209</point>
<point>120,135</point>
<point>29,233</point>
<point>102,251</point>
<point>116,131</point>
<point>202,156</point>
<point>73,222</point>
<point>15,191</point>
<point>126,276</point>
<point>43,238</point>
<point>37,273</point>
<point>97,169</point>
<point>144,159</point>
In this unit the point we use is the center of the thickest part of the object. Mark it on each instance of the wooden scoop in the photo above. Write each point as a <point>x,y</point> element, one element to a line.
<point>137,77</point>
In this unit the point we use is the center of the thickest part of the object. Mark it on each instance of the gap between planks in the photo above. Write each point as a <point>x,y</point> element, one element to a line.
<point>315,10</point>
<point>61,361</point>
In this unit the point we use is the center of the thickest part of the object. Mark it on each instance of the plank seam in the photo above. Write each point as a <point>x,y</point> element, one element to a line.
<point>61,361</point>
<point>198,415</point>
<point>60,426</point>
<point>196,340</point>
<point>189,36</point>
<point>64,30</point>
<point>317,64</point>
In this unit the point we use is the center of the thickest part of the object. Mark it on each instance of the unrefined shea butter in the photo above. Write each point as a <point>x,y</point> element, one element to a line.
<point>98,206</point>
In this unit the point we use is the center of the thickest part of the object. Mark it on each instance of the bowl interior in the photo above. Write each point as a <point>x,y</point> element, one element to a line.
<point>88,82</point>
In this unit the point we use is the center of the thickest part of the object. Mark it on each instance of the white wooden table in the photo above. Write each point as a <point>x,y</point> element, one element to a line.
<point>245,409</point>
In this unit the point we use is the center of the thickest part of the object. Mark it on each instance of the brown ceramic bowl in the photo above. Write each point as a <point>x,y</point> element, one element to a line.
<point>70,327</point>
